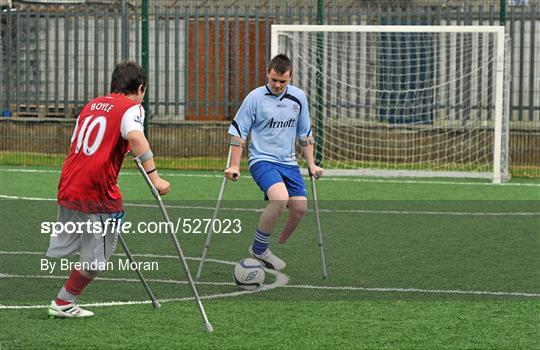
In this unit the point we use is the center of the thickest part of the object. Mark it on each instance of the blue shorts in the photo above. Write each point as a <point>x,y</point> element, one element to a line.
<point>267,174</point>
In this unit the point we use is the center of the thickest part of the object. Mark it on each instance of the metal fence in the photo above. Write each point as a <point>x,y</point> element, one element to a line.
<point>203,60</point>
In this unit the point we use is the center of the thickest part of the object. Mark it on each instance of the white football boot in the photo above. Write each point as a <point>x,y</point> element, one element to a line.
<point>269,260</point>
<point>69,310</point>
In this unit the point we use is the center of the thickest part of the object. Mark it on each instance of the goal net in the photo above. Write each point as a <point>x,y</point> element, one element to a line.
<point>403,100</point>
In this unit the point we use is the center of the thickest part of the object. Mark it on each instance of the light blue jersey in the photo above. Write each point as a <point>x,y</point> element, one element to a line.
<point>274,123</point>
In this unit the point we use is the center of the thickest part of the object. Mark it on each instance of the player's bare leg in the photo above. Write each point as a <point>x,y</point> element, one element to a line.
<point>297,210</point>
<point>278,196</point>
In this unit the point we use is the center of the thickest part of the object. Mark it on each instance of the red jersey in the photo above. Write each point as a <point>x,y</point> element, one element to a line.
<point>89,181</point>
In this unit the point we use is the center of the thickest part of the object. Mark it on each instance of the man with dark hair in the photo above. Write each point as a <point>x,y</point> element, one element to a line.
<point>275,115</point>
<point>107,127</point>
<point>127,77</point>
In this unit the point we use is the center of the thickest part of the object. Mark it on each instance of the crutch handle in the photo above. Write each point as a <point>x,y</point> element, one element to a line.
<point>155,192</point>
<point>153,188</point>
<point>317,175</point>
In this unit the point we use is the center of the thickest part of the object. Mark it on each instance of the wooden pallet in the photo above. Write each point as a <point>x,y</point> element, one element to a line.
<point>41,111</point>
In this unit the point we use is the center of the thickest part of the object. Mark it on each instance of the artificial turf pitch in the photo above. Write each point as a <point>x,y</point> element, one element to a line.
<point>411,264</point>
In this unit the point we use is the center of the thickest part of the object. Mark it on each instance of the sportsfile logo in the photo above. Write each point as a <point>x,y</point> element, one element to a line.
<point>182,225</point>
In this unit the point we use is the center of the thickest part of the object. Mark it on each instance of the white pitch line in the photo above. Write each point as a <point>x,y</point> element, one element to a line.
<point>405,212</point>
<point>414,182</point>
<point>298,286</point>
<point>6,275</point>
<point>342,179</point>
<point>281,281</point>
<point>343,211</point>
<point>27,198</point>
<point>190,207</point>
<point>416,290</point>
<point>30,171</point>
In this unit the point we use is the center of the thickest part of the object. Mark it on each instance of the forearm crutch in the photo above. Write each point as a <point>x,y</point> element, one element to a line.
<point>318,222</point>
<point>155,303</point>
<point>155,192</point>
<point>214,217</point>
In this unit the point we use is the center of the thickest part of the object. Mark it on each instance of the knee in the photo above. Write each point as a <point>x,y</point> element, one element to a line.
<point>299,210</point>
<point>278,205</point>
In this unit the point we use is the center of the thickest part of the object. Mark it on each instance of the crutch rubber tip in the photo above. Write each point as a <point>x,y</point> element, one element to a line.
<point>208,327</point>
<point>156,304</point>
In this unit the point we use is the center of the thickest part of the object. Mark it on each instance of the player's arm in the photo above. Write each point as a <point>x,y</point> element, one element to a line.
<point>238,131</point>
<point>139,146</point>
<point>307,148</point>
<point>237,146</point>
<point>131,130</point>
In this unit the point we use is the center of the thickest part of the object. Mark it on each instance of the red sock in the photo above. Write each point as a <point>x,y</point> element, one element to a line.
<point>61,302</point>
<point>76,282</point>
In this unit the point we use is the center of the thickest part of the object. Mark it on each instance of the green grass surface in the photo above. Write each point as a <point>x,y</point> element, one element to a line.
<point>205,163</point>
<point>412,264</point>
<point>47,159</point>
<point>290,325</point>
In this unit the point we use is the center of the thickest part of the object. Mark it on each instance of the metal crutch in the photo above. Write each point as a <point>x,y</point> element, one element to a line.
<point>155,303</point>
<point>318,221</point>
<point>214,217</point>
<point>155,192</point>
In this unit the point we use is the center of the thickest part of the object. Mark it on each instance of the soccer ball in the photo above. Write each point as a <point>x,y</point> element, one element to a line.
<point>249,274</point>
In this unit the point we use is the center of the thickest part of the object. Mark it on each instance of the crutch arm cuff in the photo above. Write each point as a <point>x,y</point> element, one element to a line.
<point>145,156</point>
<point>305,141</point>
<point>236,143</point>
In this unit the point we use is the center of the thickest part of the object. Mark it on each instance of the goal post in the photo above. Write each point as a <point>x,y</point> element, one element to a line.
<point>423,101</point>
